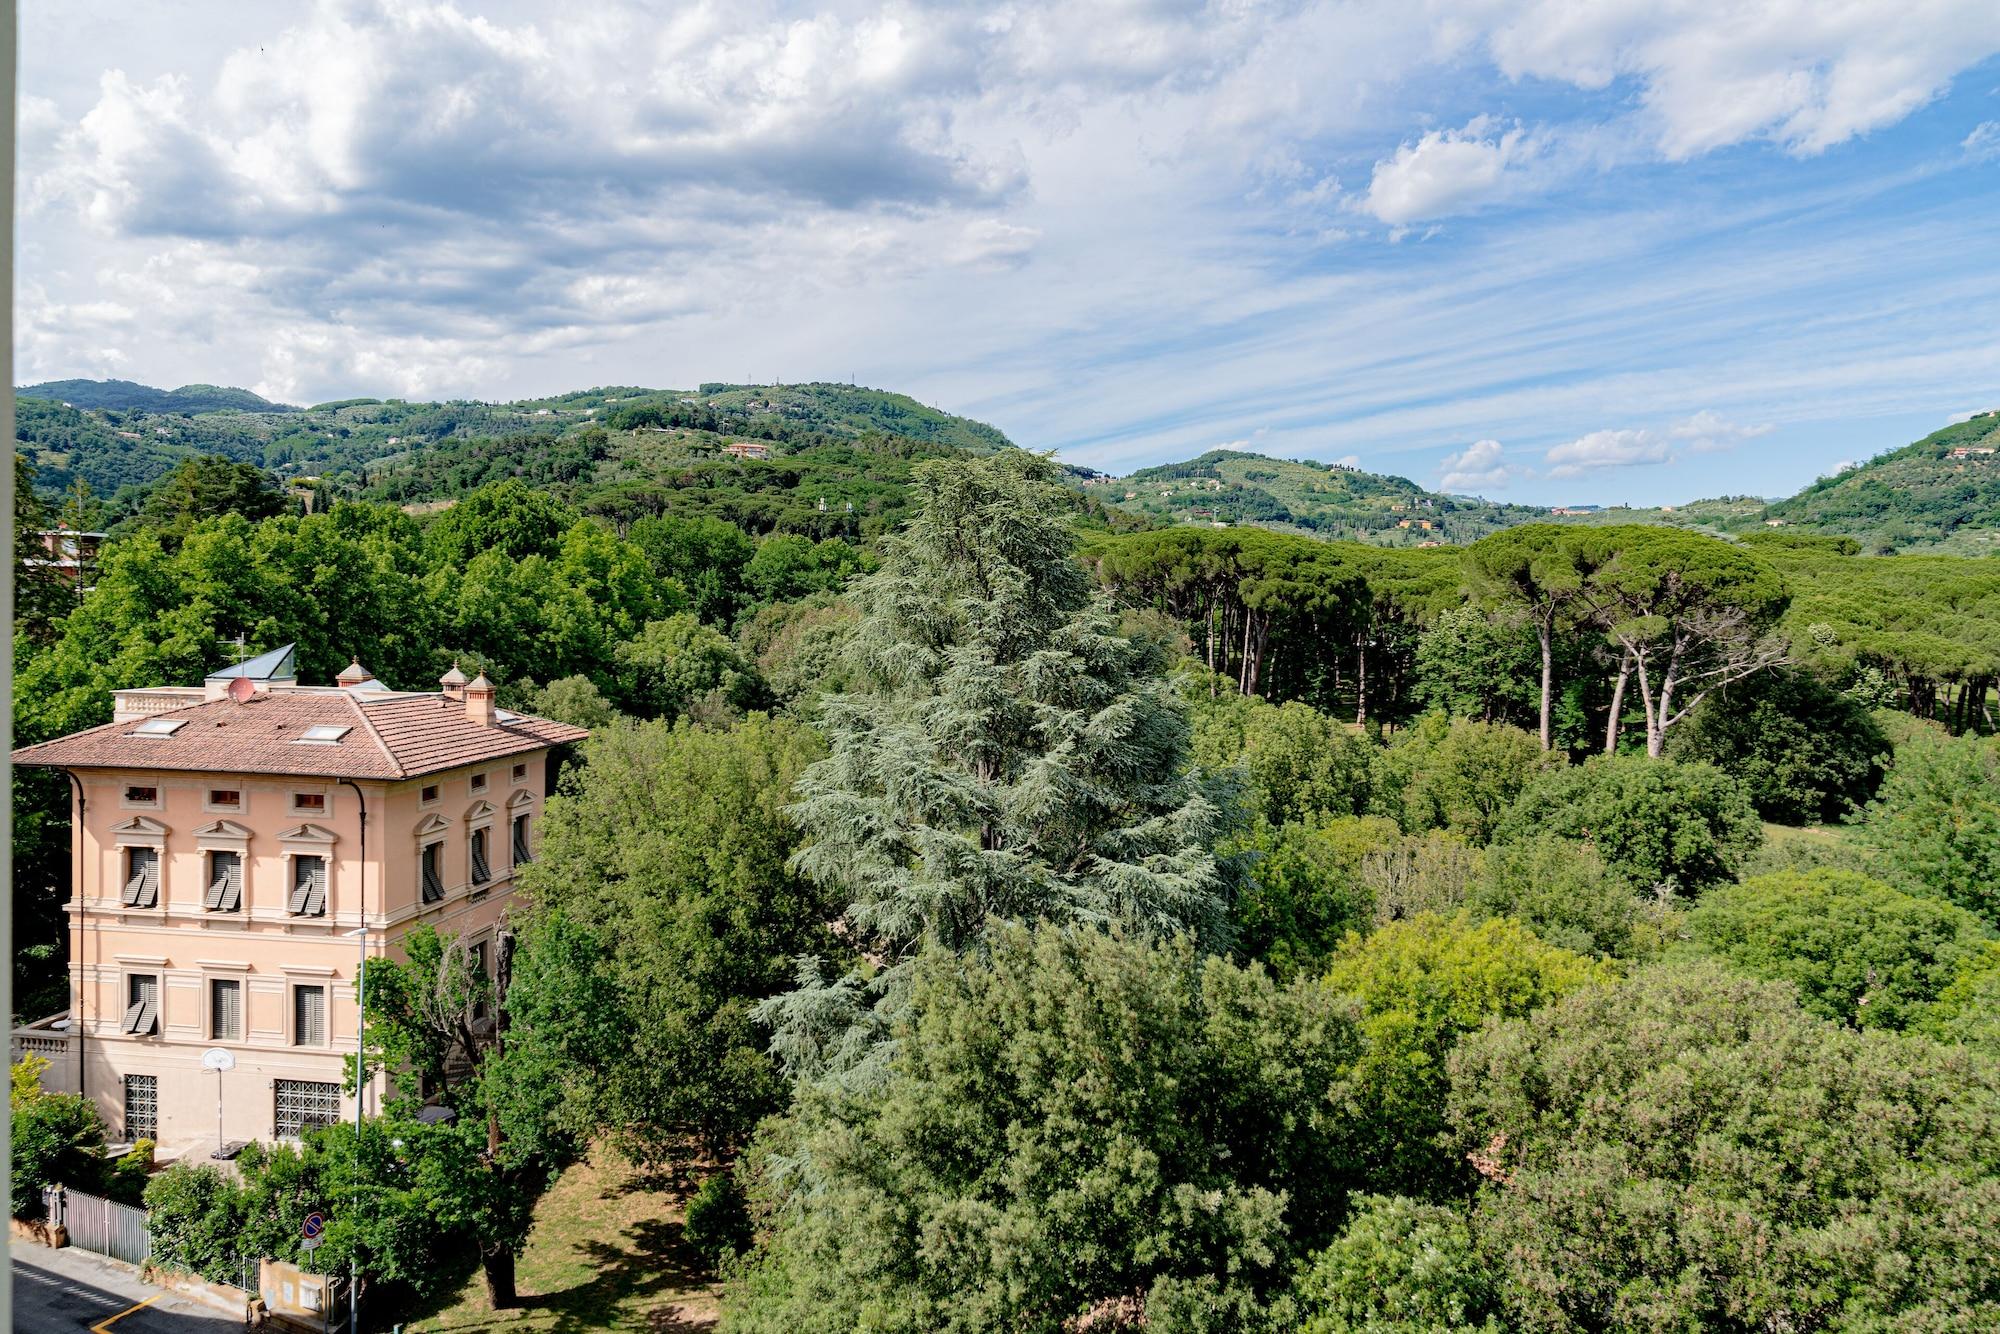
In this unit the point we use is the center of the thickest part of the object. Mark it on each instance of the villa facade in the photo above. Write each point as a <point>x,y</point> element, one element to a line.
<point>240,846</point>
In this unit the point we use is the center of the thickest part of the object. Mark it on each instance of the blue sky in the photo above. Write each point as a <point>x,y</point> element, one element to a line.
<point>1552,251</point>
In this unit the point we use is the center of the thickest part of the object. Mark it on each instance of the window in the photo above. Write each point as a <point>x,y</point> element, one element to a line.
<point>322,734</point>
<point>308,898</point>
<point>520,773</point>
<point>142,1004</point>
<point>142,878</point>
<point>228,799</point>
<point>309,1016</point>
<point>309,801</point>
<point>433,882</point>
<point>225,882</point>
<point>479,979</point>
<point>303,1104</point>
<point>479,782</point>
<point>158,727</point>
<point>225,1010</point>
<point>521,857</point>
<point>481,872</point>
<point>142,1107</point>
<point>142,796</point>
<point>429,794</point>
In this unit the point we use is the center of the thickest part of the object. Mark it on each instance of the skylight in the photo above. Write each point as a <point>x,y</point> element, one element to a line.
<point>323,734</point>
<point>159,727</point>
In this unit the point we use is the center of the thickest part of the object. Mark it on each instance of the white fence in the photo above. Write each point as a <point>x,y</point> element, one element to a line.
<point>104,1226</point>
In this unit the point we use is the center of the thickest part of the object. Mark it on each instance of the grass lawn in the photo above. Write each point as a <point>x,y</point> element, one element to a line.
<point>606,1254</point>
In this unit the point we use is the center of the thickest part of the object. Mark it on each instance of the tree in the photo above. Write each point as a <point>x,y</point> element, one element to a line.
<point>1935,824</point>
<point>677,665</point>
<point>1472,663</point>
<point>1968,1010</point>
<point>1689,1150</point>
<point>508,517</point>
<point>1299,893</point>
<point>1802,751</point>
<point>1690,613</point>
<point>1011,756</point>
<point>41,597</point>
<point>667,852</point>
<point>703,554</point>
<point>1654,822</point>
<point>1073,1122</point>
<point>1423,984</point>
<point>1858,951</point>
<point>206,488</point>
<point>787,567</point>
<point>1532,566</point>
<point>1456,775</point>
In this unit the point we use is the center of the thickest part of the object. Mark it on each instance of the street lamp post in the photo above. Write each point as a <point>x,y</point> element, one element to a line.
<point>360,933</point>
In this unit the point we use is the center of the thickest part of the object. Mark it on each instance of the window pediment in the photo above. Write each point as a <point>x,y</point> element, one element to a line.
<point>139,829</point>
<point>479,810</point>
<point>520,799</point>
<point>310,833</point>
<point>223,831</point>
<point>432,824</point>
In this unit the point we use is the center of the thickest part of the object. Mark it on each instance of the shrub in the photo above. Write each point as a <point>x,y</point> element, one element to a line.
<point>58,1140</point>
<point>1434,874</point>
<point>1567,896</point>
<point>1456,775</point>
<point>1297,896</point>
<point>1403,1266</point>
<point>1968,1010</point>
<point>196,1216</point>
<point>1296,763</point>
<point>1690,1150</point>
<point>1802,752</point>
<point>1655,822</point>
<point>1422,985</point>
<point>1936,821</point>
<point>1858,951</point>
<point>718,1219</point>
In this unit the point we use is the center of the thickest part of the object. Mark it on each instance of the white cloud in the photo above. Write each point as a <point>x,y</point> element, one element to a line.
<point>1349,460</point>
<point>1968,415</point>
<point>1480,466</point>
<point>1709,432</point>
<point>1801,73</point>
<point>1608,449</point>
<point>1447,172</point>
<point>1983,144</point>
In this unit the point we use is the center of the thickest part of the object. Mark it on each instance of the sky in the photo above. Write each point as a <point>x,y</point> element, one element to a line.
<point>1550,251</point>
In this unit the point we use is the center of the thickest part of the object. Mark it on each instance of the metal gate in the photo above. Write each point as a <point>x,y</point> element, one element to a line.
<point>104,1226</point>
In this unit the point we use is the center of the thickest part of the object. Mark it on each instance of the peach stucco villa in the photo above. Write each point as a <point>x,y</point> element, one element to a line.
<point>239,845</point>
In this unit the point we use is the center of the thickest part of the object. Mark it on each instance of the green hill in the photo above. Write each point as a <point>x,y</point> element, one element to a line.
<point>1940,494</point>
<point>1327,499</point>
<point>126,396</point>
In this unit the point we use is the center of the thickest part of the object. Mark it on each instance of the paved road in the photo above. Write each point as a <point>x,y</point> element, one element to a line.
<point>68,1291</point>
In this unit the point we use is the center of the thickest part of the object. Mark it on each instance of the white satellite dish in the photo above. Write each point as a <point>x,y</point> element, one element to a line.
<point>218,1059</point>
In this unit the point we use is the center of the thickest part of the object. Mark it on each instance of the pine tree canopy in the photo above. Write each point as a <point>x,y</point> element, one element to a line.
<point>1010,755</point>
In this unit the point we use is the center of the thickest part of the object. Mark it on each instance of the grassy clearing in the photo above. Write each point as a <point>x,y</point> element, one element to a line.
<point>606,1254</point>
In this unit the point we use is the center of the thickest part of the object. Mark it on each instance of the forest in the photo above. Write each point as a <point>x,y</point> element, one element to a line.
<point>1005,914</point>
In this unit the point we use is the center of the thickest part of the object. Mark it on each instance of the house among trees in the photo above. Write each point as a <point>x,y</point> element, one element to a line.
<point>66,552</point>
<point>239,846</point>
<point>744,449</point>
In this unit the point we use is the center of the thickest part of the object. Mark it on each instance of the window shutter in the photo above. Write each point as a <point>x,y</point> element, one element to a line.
<point>143,1014</point>
<point>227,1005</point>
<point>308,887</point>
<point>310,1016</point>
<point>142,885</point>
<point>481,872</point>
<point>433,883</point>
<point>225,888</point>
<point>521,857</point>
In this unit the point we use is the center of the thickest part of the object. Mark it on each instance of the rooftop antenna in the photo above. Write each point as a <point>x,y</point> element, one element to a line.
<point>242,652</point>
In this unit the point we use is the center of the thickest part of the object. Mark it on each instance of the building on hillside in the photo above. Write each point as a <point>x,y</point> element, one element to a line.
<point>67,553</point>
<point>1971,451</point>
<point>744,449</point>
<point>1576,509</point>
<point>239,846</point>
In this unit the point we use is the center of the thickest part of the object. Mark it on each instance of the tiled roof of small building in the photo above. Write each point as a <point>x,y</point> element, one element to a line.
<point>389,736</point>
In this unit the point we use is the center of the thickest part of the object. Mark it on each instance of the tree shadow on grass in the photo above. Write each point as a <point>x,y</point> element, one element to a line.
<point>650,1259</point>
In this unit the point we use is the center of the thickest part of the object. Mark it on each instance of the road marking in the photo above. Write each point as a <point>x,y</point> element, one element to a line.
<point>101,1325</point>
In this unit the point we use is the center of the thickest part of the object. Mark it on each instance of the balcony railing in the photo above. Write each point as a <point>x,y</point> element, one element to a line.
<point>53,1040</point>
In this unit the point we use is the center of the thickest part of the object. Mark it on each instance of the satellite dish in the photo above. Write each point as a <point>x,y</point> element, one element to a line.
<point>218,1059</point>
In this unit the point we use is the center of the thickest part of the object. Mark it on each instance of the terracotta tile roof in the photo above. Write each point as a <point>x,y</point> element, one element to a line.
<point>389,737</point>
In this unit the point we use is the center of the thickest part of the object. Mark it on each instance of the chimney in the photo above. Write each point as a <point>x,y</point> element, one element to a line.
<point>479,701</point>
<point>452,683</point>
<point>354,674</point>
